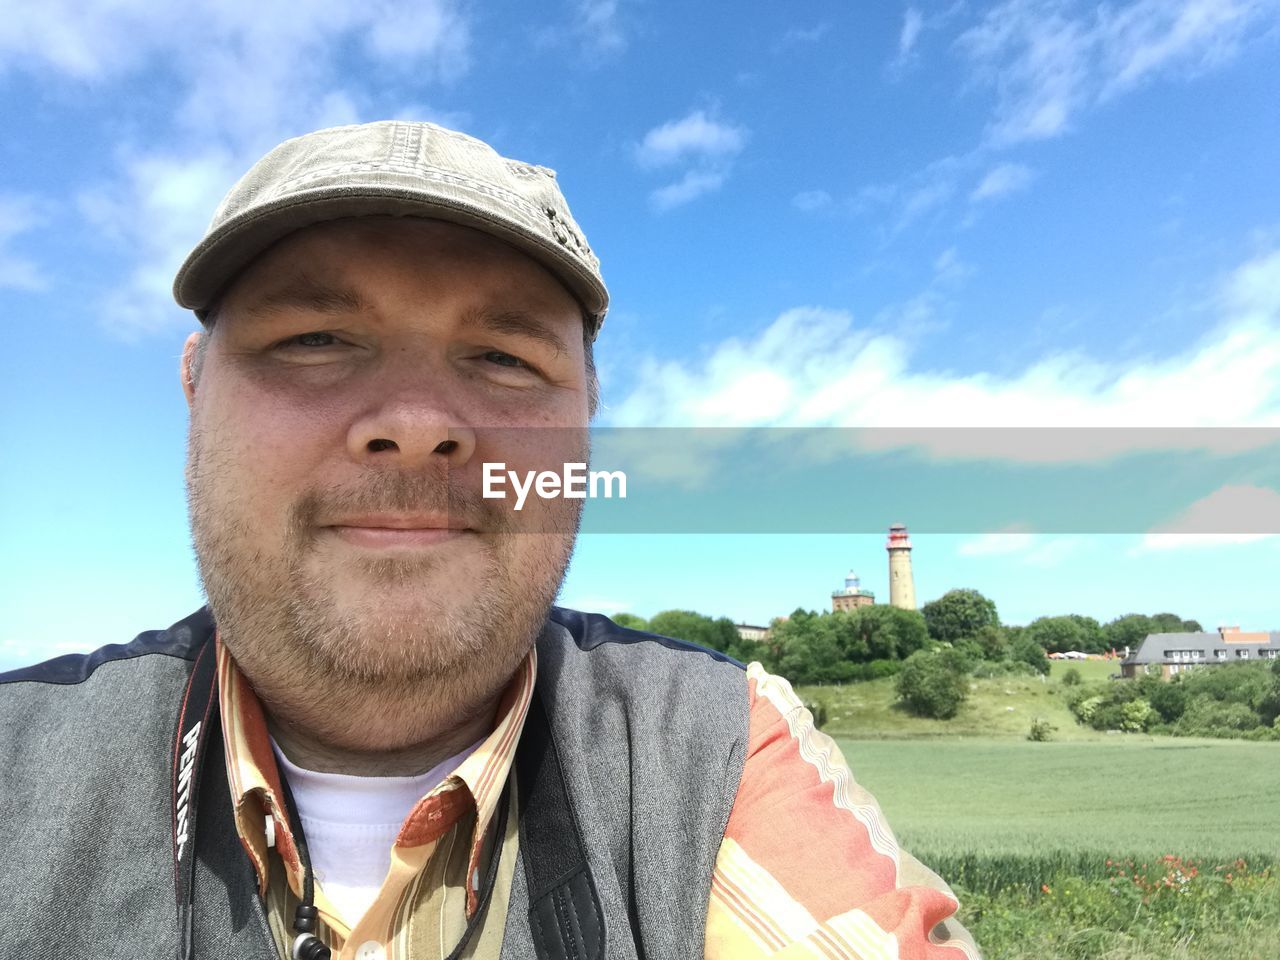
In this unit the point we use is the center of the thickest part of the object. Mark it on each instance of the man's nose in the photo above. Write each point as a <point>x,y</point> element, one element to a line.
<point>412,426</point>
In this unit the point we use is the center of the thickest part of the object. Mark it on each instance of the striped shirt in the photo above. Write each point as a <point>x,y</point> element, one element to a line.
<point>807,866</point>
<point>440,853</point>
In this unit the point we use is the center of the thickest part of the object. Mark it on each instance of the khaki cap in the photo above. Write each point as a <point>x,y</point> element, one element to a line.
<point>401,169</point>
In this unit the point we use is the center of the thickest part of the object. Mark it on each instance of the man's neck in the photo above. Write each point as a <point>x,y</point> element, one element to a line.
<point>309,752</point>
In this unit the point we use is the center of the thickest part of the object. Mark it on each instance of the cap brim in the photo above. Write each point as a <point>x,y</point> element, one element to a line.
<point>223,254</point>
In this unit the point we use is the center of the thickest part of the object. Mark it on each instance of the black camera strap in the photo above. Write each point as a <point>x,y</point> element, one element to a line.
<point>195,718</point>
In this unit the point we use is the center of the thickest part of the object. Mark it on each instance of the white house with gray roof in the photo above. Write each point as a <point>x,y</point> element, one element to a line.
<point>1170,653</point>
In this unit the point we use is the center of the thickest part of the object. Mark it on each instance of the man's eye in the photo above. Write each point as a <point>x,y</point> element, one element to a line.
<point>504,359</point>
<point>317,339</point>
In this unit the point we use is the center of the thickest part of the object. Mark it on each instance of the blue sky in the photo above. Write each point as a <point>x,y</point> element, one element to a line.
<point>1031,214</point>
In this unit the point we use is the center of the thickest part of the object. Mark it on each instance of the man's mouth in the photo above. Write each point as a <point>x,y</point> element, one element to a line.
<point>380,531</point>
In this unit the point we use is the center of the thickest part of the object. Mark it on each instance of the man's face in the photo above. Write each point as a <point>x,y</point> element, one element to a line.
<point>357,376</point>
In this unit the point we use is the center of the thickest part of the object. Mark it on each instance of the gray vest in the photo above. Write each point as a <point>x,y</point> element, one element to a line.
<point>651,736</point>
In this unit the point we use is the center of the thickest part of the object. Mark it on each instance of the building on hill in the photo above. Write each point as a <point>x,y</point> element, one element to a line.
<point>852,596</point>
<point>902,583</point>
<point>1168,653</point>
<point>747,631</point>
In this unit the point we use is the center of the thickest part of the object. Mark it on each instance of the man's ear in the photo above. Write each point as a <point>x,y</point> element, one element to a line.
<point>186,369</point>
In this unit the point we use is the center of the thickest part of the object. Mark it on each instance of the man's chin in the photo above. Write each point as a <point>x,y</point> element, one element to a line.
<point>392,638</point>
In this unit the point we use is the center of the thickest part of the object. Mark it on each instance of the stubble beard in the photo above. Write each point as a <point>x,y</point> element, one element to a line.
<point>436,656</point>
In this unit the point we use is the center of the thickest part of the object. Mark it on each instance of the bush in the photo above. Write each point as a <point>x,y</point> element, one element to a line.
<point>1214,701</point>
<point>1041,730</point>
<point>1212,718</point>
<point>1169,699</point>
<point>934,684</point>
<point>1262,733</point>
<point>1137,716</point>
<point>876,669</point>
<point>1026,650</point>
<point>1109,716</point>
<point>1071,678</point>
<point>1087,708</point>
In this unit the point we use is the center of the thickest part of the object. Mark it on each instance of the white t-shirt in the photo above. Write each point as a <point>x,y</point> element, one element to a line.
<point>351,823</point>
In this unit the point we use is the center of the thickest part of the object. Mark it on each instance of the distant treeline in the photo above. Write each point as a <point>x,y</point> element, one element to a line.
<point>874,641</point>
<point>1231,700</point>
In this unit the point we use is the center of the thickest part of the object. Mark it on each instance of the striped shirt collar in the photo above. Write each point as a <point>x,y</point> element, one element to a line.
<point>256,794</point>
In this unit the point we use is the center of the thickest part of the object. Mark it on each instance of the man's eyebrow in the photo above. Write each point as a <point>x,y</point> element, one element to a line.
<point>515,323</point>
<point>310,293</point>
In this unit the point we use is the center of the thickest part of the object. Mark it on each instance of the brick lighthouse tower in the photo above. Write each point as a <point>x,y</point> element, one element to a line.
<point>902,585</point>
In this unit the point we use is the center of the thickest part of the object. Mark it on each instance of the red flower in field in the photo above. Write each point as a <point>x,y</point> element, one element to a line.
<point>1228,878</point>
<point>1044,888</point>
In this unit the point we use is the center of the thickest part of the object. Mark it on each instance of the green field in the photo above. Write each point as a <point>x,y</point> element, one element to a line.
<point>1089,670</point>
<point>1004,820</point>
<point>1216,797</point>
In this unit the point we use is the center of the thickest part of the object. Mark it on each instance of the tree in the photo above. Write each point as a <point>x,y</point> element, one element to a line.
<point>719,634</point>
<point>1025,650</point>
<point>809,649</point>
<point>1168,699</point>
<point>958,614</point>
<point>994,642</point>
<point>1172,623</point>
<point>880,632</point>
<point>1132,628</point>
<point>1070,632</point>
<point>934,683</point>
<point>1128,631</point>
<point>630,621</point>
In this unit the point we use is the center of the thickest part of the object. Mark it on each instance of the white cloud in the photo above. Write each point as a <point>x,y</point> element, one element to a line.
<point>599,24</point>
<point>195,42</point>
<point>912,23</point>
<point>689,187</point>
<point>1148,36</point>
<point>918,196</point>
<point>1048,61</point>
<point>241,76</point>
<point>814,367</point>
<point>1002,180</point>
<point>797,36</point>
<point>996,544</point>
<point>159,208</point>
<point>810,201</point>
<point>694,136</point>
<point>950,268</point>
<point>704,145</point>
<point>18,215</point>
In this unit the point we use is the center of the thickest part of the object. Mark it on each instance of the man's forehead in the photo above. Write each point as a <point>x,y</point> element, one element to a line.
<point>325,267</point>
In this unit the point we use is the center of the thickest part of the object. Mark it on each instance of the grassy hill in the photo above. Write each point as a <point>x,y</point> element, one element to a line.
<point>1002,707</point>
